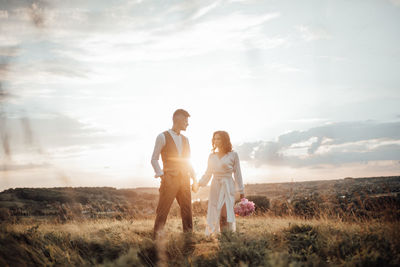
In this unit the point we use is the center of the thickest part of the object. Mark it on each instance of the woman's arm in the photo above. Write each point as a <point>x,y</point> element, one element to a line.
<point>207,175</point>
<point>237,173</point>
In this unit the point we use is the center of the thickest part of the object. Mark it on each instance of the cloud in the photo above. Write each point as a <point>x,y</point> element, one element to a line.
<point>231,32</point>
<point>395,2</point>
<point>3,14</point>
<point>333,144</point>
<point>312,34</point>
<point>52,132</point>
<point>284,68</point>
<point>36,13</point>
<point>9,51</point>
<point>203,11</point>
<point>345,132</point>
<point>21,167</point>
<point>71,40</point>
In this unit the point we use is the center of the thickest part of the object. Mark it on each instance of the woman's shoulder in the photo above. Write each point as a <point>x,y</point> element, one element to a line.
<point>234,154</point>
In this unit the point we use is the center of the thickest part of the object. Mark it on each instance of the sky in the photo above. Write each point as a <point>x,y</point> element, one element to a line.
<point>307,90</point>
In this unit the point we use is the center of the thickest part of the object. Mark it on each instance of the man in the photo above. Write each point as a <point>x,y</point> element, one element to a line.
<point>175,175</point>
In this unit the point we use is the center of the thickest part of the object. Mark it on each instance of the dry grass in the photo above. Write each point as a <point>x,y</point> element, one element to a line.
<point>260,240</point>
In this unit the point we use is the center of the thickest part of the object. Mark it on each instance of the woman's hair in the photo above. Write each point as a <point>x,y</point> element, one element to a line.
<point>226,141</point>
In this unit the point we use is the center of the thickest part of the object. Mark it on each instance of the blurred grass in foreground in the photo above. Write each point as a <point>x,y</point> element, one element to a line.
<point>259,241</point>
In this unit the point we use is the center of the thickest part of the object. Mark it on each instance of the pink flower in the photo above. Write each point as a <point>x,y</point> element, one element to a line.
<point>244,207</point>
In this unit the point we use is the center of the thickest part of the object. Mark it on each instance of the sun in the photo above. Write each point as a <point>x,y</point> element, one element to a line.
<point>200,150</point>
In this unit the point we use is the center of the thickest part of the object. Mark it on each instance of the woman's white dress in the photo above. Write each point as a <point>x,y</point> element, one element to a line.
<point>222,189</point>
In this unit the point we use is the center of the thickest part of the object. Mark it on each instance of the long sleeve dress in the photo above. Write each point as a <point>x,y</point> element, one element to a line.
<point>222,189</point>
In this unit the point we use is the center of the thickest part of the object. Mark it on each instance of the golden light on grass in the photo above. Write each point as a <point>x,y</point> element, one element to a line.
<point>271,240</point>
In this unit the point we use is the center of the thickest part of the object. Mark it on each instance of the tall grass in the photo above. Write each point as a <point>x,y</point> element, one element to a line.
<point>259,241</point>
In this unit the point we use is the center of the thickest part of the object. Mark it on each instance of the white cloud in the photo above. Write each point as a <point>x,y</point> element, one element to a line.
<point>21,167</point>
<point>284,68</point>
<point>9,51</point>
<point>82,40</point>
<point>363,146</point>
<point>311,34</point>
<point>395,2</point>
<point>333,144</point>
<point>3,14</point>
<point>203,11</point>
<point>229,33</point>
<point>50,131</point>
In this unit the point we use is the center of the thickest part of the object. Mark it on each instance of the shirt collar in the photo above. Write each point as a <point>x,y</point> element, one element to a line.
<point>173,132</point>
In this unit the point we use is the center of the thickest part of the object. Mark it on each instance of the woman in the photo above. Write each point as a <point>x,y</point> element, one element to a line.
<point>222,162</point>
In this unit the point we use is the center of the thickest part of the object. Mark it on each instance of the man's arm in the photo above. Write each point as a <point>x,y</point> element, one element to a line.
<point>160,143</point>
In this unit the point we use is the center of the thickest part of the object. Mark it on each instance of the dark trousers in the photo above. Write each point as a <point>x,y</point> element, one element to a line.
<point>174,186</point>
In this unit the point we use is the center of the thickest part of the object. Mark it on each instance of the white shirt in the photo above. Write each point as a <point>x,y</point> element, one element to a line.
<point>222,190</point>
<point>159,145</point>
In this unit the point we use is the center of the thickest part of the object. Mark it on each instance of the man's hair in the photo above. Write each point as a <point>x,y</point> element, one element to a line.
<point>180,112</point>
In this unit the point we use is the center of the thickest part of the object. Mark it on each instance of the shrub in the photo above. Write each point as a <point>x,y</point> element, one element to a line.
<point>4,214</point>
<point>280,207</point>
<point>302,241</point>
<point>262,203</point>
<point>238,249</point>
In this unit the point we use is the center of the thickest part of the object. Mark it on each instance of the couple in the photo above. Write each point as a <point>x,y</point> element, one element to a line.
<point>177,170</point>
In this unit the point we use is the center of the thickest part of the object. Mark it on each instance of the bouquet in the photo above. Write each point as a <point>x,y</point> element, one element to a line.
<point>244,207</point>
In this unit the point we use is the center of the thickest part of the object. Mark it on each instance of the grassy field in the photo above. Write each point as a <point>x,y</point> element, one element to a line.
<point>347,222</point>
<point>259,241</point>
